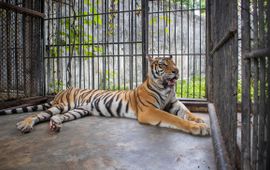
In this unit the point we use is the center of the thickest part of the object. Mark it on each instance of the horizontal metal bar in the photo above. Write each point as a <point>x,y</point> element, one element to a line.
<point>21,10</point>
<point>179,10</point>
<point>223,162</point>
<point>265,52</point>
<point>167,54</point>
<point>126,55</point>
<point>93,14</point>
<point>97,43</point>
<point>226,38</point>
<point>96,56</point>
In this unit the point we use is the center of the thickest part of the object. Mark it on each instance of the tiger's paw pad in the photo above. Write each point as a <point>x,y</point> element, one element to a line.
<point>26,125</point>
<point>55,126</point>
<point>202,129</point>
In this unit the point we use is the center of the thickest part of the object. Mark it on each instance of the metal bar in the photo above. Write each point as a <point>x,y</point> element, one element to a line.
<point>144,4</point>
<point>188,41</point>
<point>245,139</point>
<point>184,10</point>
<point>98,67</point>
<point>268,90</point>
<point>21,10</point>
<point>223,41</point>
<point>118,45</point>
<point>124,49</point>
<point>93,51</point>
<point>182,48</point>
<point>194,58</point>
<point>200,66</point>
<point>90,14</point>
<point>262,114</point>
<point>222,158</point>
<point>258,53</point>
<point>254,146</point>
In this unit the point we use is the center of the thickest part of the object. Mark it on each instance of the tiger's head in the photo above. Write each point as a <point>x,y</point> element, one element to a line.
<point>163,71</point>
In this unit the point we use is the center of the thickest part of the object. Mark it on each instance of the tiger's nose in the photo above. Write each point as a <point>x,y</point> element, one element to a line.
<point>175,71</point>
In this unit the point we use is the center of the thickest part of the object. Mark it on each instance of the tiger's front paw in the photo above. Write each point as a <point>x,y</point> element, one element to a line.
<point>202,129</point>
<point>196,119</point>
<point>25,125</point>
<point>55,125</point>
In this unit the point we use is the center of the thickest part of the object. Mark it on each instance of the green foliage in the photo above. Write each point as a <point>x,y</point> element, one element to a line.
<point>239,90</point>
<point>188,88</point>
<point>56,86</point>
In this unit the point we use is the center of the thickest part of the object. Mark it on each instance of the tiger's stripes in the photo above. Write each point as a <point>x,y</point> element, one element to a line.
<point>152,102</point>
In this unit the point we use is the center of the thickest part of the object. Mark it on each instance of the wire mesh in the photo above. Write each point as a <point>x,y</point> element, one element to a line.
<point>20,52</point>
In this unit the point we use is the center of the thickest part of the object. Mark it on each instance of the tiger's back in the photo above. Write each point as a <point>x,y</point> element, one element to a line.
<point>99,102</point>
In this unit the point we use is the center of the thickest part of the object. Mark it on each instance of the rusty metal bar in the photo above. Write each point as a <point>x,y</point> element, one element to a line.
<point>246,110</point>
<point>223,41</point>
<point>21,10</point>
<point>258,53</point>
<point>145,9</point>
<point>222,158</point>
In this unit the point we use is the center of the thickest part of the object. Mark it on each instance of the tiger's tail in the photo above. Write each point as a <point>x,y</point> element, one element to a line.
<point>34,108</point>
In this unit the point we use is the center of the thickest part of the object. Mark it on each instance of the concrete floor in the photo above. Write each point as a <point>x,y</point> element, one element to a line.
<point>102,143</point>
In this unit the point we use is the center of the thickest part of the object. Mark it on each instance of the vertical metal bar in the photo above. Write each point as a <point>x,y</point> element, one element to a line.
<point>75,47</point>
<point>93,49</point>
<point>268,90</point>
<point>136,49</point>
<point>209,46</point>
<point>84,46</point>
<point>98,31</point>
<point>188,54</point>
<point>16,57</point>
<point>69,66</point>
<point>58,72</point>
<point>107,61</point>
<point>262,114</point>
<point>170,29</point>
<point>67,46</point>
<point>200,66</point>
<point>245,139</point>
<point>131,32</point>
<point>113,44</point>
<point>182,50</point>
<point>158,13</point>
<point>118,45</point>
<point>144,37</point>
<point>194,57</point>
<point>152,29</point>
<point>8,52</point>
<point>164,27</point>
<point>53,57</point>
<point>256,98</point>
<point>124,49</point>
<point>175,42</point>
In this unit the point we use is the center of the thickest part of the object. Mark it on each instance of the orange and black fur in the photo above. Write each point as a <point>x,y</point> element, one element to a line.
<point>152,102</point>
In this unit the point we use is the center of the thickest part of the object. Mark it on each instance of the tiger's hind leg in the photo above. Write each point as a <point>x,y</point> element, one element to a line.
<point>57,120</point>
<point>28,123</point>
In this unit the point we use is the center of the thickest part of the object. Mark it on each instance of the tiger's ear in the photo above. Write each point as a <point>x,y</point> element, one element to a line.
<point>170,56</point>
<point>150,58</point>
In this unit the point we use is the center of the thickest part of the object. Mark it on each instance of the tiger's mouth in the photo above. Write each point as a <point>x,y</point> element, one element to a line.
<point>171,81</point>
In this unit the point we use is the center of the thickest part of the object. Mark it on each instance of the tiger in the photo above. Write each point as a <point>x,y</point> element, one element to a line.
<point>153,102</point>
